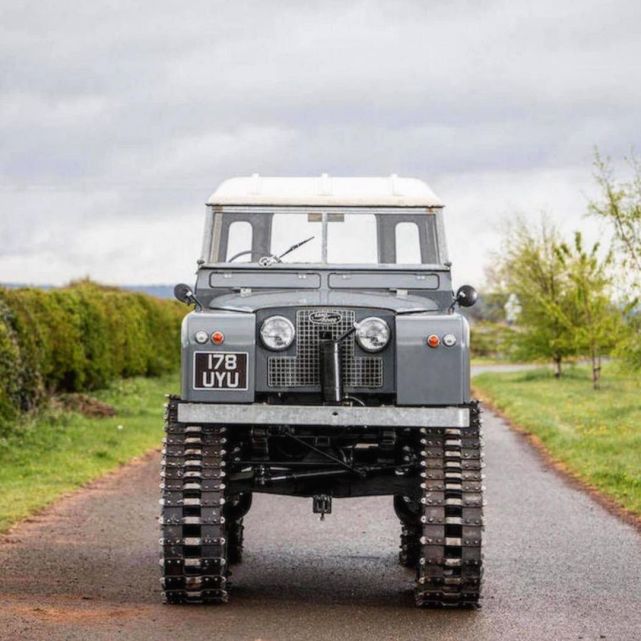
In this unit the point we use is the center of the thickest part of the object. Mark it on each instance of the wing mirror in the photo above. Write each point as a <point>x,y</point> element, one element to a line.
<point>466,296</point>
<point>184,294</point>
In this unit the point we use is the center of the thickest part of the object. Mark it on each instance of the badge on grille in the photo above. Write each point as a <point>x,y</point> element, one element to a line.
<point>325,318</point>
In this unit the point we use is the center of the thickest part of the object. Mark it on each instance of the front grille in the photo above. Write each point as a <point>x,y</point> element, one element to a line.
<point>303,370</point>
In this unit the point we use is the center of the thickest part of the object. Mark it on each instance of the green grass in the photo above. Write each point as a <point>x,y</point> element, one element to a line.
<point>595,434</point>
<point>491,360</point>
<point>487,360</point>
<point>55,452</point>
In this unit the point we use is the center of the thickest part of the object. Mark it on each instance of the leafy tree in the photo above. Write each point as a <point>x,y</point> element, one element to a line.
<point>491,340</point>
<point>619,204</point>
<point>489,307</point>
<point>589,315</point>
<point>531,267</point>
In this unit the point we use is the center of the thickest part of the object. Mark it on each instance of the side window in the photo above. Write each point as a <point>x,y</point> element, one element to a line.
<point>239,239</point>
<point>408,244</point>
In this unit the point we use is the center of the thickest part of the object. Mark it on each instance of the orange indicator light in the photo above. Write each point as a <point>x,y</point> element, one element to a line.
<point>433,340</point>
<point>217,338</point>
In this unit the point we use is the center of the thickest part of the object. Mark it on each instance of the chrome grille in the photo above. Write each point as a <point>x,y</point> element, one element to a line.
<point>303,370</point>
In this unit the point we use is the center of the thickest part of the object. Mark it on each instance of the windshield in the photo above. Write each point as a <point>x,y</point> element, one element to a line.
<point>326,237</point>
<point>350,238</point>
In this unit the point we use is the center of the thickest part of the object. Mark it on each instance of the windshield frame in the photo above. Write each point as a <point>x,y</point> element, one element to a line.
<point>214,240</point>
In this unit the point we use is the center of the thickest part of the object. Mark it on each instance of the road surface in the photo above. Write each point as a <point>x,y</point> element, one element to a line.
<point>557,567</point>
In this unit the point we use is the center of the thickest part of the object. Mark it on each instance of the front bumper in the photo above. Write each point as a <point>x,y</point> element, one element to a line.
<point>338,416</point>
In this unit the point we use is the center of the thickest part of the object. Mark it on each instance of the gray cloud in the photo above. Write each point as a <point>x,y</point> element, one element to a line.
<point>118,119</point>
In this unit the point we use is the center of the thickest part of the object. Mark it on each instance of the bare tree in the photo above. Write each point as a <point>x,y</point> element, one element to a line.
<point>620,205</point>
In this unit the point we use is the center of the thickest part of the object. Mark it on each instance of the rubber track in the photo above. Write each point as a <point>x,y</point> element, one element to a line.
<point>193,555</point>
<point>449,570</point>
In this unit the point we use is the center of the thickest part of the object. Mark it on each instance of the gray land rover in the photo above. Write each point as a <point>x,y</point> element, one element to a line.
<point>324,359</point>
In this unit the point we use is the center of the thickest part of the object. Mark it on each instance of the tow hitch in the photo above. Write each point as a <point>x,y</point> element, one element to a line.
<point>322,504</point>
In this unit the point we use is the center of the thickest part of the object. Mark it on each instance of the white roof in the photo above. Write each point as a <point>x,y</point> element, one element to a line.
<point>325,190</point>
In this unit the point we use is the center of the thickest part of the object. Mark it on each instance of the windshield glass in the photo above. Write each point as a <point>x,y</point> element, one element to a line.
<point>351,238</point>
<point>291,229</point>
<point>365,238</point>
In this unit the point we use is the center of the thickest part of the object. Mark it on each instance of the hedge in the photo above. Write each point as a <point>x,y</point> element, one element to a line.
<point>80,338</point>
<point>491,340</point>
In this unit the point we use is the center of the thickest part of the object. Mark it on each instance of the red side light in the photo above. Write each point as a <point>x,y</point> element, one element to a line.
<point>217,338</point>
<point>433,340</point>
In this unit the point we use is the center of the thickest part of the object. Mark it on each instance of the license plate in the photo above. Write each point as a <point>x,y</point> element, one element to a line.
<point>220,370</point>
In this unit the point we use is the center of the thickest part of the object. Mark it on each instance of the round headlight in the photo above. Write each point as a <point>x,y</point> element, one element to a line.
<point>372,334</point>
<point>277,333</point>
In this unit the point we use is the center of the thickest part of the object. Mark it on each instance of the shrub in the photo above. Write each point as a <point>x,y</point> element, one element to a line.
<point>80,338</point>
<point>491,340</point>
<point>9,358</point>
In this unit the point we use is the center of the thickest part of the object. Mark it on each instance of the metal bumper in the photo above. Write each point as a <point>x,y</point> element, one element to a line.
<point>262,414</point>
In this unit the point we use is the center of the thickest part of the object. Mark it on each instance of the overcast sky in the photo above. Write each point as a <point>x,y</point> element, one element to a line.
<point>119,118</point>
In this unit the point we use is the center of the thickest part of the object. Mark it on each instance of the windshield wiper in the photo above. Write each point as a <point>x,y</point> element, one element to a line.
<point>296,246</point>
<point>266,261</point>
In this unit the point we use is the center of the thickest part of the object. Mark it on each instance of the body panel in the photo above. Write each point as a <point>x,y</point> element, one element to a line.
<point>238,329</point>
<point>253,301</point>
<point>427,376</point>
<point>390,281</point>
<point>264,279</point>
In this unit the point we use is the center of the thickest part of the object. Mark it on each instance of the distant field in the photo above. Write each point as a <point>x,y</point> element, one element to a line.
<point>595,434</point>
<point>60,450</point>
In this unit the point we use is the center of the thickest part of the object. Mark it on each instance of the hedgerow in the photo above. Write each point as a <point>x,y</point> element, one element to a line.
<point>491,340</point>
<point>80,338</point>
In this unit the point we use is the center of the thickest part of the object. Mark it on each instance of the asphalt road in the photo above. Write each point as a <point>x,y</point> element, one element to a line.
<point>557,567</point>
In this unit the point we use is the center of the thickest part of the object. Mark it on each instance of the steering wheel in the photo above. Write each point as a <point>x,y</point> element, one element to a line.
<point>239,254</point>
<point>263,260</point>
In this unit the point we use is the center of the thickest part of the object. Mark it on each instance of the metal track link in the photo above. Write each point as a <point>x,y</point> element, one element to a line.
<point>235,538</point>
<point>449,568</point>
<point>410,551</point>
<point>193,544</point>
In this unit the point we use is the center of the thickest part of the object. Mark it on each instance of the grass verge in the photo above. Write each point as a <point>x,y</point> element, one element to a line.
<point>57,451</point>
<point>595,435</point>
<point>487,360</point>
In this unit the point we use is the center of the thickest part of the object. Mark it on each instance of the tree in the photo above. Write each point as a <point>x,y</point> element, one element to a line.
<point>619,204</point>
<point>589,314</point>
<point>531,267</point>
